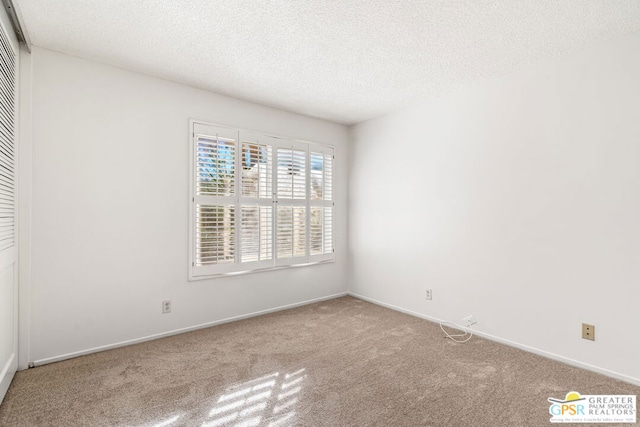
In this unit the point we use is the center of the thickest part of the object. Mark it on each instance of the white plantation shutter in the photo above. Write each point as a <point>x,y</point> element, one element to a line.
<point>258,202</point>
<point>215,239</point>
<point>7,142</point>
<point>321,203</point>
<point>291,199</point>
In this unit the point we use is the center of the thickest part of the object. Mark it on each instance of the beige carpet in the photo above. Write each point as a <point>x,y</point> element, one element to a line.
<point>343,362</point>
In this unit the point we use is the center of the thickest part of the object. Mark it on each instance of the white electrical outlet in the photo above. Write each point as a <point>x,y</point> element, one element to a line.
<point>469,320</point>
<point>428,295</point>
<point>166,306</point>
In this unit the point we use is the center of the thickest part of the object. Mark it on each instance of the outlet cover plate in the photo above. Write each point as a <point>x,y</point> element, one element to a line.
<point>469,320</point>
<point>588,332</point>
<point>166,306</point>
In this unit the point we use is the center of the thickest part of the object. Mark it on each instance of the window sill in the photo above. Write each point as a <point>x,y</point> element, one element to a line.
<point>259,270</point>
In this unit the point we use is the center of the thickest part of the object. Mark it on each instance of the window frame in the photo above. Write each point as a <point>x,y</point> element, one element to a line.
<point>239,200</point>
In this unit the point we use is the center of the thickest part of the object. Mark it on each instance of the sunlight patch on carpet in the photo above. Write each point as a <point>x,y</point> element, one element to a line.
<point>270,398</point>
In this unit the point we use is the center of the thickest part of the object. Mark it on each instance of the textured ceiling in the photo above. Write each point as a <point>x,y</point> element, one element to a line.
<point>341,60</point>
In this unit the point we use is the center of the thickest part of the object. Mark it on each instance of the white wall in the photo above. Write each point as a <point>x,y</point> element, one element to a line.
<point>516,200</point>
<point>110,209</point>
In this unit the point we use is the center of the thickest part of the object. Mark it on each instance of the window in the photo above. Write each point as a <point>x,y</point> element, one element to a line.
<point>258,202</point>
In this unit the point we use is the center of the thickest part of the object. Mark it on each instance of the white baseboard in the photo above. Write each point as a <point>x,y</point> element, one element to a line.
<point>181,330</point>
<point>6,375</point>
<point>548,355</point>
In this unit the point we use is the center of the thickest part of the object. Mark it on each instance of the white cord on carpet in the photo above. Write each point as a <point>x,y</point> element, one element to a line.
<point>451,337</point>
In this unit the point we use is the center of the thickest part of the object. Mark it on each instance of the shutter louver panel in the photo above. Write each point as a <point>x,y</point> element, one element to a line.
<point>7,142</point>
<point>215,166</point>
<point>299,174</point>
<point>256,232</point>
<point>316,234</point>
<point>321,176</point>
<point>291,231</point>
<point>256,170</point>
<point>328,177</point>
<point>321,231</point>
<point>292,174</point>
<point>328,231</point>
<point>317,176</point>
<point>215,237</point>
<point>285,187</point>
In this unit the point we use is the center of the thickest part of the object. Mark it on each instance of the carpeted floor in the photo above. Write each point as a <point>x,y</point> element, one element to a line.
<point>343,362</point>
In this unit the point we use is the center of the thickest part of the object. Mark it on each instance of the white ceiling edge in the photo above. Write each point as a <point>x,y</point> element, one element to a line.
<point>342,61</point>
